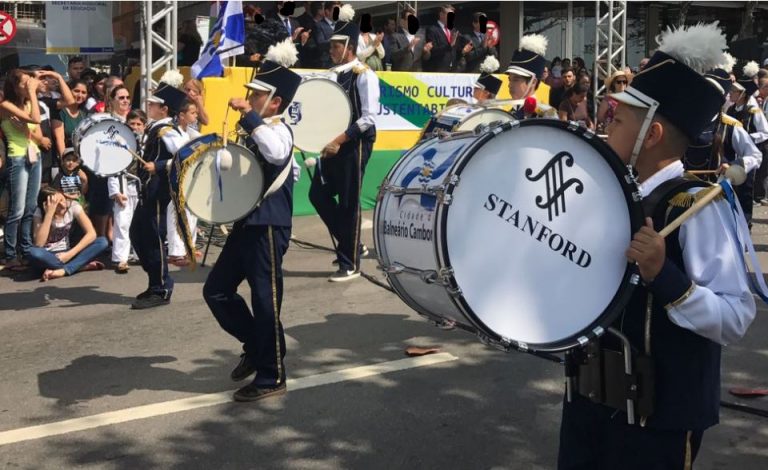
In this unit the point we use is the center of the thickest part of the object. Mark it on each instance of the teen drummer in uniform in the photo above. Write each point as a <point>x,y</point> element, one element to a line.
<point>340,170</point>
<point>747,112</point>
<point>725,142</point>
<point>694,296</point>
<point>254,249</point>
<point>487,86</point>
<point>147,232</point>
<point>525,71</point>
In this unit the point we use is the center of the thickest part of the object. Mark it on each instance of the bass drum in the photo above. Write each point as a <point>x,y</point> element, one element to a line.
<point>518,234</point>
<point>319,112</point>
<point>104,144</point>
<point>463,118</point>
<point>214,195</point>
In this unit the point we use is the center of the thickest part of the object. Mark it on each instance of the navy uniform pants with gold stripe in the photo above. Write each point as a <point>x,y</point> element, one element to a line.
<point>253,253</point>
<point>596,437</point>
<point>147,234</point>
<point>342,178</point>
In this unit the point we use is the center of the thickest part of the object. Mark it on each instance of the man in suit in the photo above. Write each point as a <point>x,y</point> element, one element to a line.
<point>313,43</point>
<point>443,38</point>
<point>481,46</point>
<point>284,14</point>
<point>408,50</point>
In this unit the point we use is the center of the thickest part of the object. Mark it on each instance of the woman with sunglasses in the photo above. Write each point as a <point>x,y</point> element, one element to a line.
<point>615,83</point>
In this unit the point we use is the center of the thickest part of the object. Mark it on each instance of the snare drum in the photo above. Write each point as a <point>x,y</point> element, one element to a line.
<point>319,112</point>
<point>518,234</point>
<point>463,118</point>
<point>213,195</point>
<point>101,141</point>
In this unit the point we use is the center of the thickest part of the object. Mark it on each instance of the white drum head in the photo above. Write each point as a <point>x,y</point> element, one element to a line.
<point>536,245</point>
<point>483,116</point>
<point>242,186</point>
<point>100,140</point>
<point>319,112</point>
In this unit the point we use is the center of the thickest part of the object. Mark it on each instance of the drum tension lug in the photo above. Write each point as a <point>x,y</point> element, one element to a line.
<point>637,196</point>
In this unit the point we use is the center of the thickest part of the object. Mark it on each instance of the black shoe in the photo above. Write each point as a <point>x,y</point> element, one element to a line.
<point>242,370</point>
<point>152,300</point>
<point>253,393</point>
<point>144,294</point>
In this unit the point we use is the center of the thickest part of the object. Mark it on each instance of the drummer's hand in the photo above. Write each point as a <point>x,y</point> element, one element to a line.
<point>723,168</point>
<point>239,104</point>
<point>121,199</point>
<point>331,149</point>
<point>648,251</point>
<point>150,167</point>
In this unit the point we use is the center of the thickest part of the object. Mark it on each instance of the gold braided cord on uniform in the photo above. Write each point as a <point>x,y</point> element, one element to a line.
<point>685,199</point>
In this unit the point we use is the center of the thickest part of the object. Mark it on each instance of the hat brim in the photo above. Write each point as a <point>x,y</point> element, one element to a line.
<point>339,37</point>
<point>738,86</point>
<point>258,85</point>
<point>633,98</point>
<point>519,71</point>
<point>155,99</point>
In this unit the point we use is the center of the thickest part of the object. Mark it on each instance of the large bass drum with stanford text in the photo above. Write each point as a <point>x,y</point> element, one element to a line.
<point>517,233</point>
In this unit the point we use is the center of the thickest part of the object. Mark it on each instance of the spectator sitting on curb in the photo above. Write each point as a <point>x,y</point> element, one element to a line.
<point>52,253</point>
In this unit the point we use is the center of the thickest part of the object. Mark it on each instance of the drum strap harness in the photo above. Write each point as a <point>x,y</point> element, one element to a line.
<point>624,380</point>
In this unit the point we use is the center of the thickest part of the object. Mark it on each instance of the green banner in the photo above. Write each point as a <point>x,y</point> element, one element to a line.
<point>380,163</point>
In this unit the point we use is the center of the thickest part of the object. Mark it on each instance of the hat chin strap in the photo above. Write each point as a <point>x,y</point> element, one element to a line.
<point>653,105</point>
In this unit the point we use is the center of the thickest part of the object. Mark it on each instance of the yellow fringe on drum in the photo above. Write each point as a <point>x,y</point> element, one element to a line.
<point>180,200</point>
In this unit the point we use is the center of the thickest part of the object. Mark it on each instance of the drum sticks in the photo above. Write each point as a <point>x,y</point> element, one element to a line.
<point>735,174</point>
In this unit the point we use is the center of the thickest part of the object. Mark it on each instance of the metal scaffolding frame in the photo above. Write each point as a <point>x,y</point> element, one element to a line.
<point>159,23</point>
<point>610,41</point>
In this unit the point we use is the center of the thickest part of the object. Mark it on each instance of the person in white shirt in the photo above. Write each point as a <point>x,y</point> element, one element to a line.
<point>694,294</point>
<point>177,252</point>
<point>342,166</point>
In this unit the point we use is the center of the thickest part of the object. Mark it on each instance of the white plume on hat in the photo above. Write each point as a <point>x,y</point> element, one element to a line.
<point>728,62</point>
<point>173,78</point>
<point>535,43</point>
<point>700,47</point>
<point>490,64</point>
<point>283,53</point>
<point>751,69</point>
<point>346,13</point>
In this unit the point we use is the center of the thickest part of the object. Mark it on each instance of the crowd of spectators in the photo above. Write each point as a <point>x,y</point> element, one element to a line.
<point>56,216</point>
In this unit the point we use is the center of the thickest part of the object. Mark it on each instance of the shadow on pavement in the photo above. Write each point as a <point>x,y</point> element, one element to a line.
<point>480,412</point>
<point>78,296</point>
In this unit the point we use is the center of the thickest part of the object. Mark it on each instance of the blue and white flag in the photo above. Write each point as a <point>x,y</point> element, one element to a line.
<point>225,40</point>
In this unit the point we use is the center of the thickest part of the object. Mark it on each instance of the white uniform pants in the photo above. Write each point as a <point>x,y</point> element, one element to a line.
<point>175,243</point>
<point>121,241</point>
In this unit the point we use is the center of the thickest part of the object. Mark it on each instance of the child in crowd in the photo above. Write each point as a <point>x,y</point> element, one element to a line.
<point>177,253</point>
<point>71,180</point>
<point>53,222</point>
<point>124,192</point>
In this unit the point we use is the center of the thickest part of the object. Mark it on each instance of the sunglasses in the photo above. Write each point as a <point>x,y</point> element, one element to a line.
<point>122,97</point>
<point>621,82</point>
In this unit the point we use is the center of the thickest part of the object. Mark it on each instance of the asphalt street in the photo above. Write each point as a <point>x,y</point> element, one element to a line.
<point>89,383</point>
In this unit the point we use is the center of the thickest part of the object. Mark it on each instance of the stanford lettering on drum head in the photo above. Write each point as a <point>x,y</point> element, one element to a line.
<point>518,233</point>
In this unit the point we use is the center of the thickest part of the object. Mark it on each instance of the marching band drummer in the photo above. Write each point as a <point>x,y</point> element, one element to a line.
<point>487,86</point>
<point>342,166</point>
<point>725,142</point>
<point>147,231</point>
<point>254,249</point>
<point>525,71</point>
<point>694,296</point>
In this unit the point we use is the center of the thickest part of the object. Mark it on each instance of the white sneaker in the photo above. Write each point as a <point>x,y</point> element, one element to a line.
<point>343,275</point>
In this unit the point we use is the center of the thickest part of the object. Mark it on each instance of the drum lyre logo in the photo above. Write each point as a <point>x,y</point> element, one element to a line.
<point>556,184</point>
<point>294,111</point>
